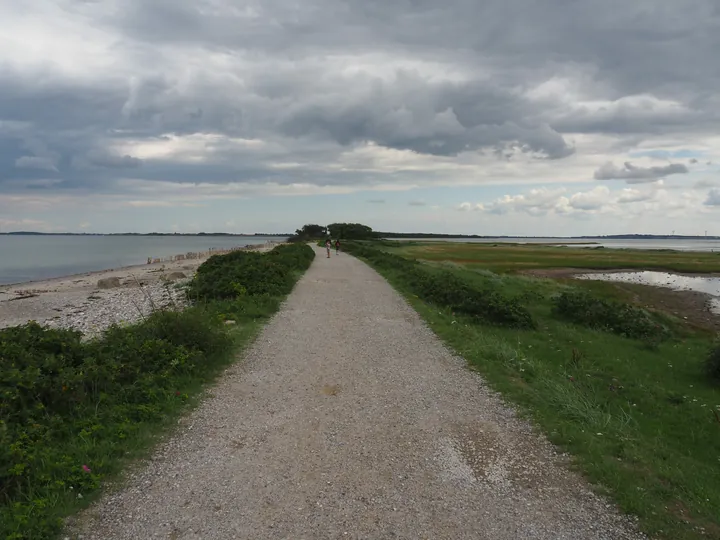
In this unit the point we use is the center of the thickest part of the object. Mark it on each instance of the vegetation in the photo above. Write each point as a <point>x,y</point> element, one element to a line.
<point>445,288</point>
<point>350,231</point>
<point>712,365</point>
<point>336,231</point>
<point>308,233</point>
<point>250,273</point>
<point>642,422</point>
<point>581,307</point>
<point>72,412</point>
<point>522,257</point>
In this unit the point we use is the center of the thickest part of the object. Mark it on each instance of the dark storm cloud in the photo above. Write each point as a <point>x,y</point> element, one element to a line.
<point>305,77</point>
<point>638,175</point>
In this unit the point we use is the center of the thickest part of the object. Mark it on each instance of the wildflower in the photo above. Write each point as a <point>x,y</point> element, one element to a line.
<point>86,468</point>
<point>177,393</point>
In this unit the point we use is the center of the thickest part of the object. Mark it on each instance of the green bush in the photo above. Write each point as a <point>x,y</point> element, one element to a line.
<point>63,400</point>
<point>616,317</point>
<point>445,288</point>
<point>250,273</point>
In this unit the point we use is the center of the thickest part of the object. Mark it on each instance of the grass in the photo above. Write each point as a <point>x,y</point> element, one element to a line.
<point>75,413</point>
<point>641,419</point>
<point>518,257</point>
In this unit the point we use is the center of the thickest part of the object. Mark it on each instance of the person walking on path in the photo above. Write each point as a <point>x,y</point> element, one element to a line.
<point>328,245</point>
<point>337,247</point>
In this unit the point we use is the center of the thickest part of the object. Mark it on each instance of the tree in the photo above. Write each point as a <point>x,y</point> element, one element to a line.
<point>350,231</point>
<point>312,231</point>
<point>309,232</point>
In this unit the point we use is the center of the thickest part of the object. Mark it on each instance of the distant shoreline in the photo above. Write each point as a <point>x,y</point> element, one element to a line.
<point>386,235</point>
<point>240,235</point>
<point>605,237</point>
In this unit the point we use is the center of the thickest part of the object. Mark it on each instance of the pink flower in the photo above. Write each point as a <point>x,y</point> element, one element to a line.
<point>86,468</point>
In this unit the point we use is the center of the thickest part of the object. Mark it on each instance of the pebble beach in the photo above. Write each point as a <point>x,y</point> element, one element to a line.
<point>93,301</point>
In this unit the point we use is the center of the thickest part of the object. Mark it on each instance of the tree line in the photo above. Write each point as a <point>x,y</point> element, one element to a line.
<point>336,231</point>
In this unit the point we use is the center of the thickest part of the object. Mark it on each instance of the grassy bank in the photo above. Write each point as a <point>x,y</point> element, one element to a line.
<point>519,257</point>
<point>626,391</point>
<point>74,412</point>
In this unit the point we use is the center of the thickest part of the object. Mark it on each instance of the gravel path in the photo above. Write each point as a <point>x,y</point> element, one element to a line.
<point>349,419</point>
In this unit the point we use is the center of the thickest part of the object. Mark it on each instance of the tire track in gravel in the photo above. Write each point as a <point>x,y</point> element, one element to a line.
<point>349,419</point>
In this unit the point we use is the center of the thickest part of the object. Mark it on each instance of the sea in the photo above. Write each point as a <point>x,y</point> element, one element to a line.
<point>30,258</point>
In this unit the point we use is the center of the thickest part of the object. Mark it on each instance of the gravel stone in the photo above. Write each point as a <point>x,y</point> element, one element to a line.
<point>350,419</point>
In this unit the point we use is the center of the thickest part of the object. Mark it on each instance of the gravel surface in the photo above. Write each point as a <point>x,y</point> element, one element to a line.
<point>349,419</point>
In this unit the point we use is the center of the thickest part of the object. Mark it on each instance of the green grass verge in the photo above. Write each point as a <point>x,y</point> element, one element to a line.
<point>74,413</point>
<point>640,418</point>
<point>518,257</point>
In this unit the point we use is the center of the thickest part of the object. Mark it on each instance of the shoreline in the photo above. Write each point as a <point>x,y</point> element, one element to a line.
<point>151,261</point>
<point>93,301</point>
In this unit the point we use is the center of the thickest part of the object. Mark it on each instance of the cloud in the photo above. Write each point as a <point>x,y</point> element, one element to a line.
<point>34,162</point>
<point>704,184</point>
<point>713,198</point>
<point>634,195</point>
<point>417,203</point>
<point>537,202</point>
<point>597,201</point>
<point>638,175</point>
<point>376,201</point>
<point>105,160</point>
<point>122,101</point>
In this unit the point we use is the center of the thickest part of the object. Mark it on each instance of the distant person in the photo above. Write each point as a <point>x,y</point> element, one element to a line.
<point>337,247</point>
<point>328,245</point>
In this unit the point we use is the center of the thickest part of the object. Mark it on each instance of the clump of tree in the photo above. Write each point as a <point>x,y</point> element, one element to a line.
<point>351,231</point>
<point>308,233</point>
<point>337,231</point>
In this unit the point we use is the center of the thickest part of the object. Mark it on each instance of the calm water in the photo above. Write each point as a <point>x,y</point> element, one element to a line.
<point>29,258</point>
<point>675,244</point>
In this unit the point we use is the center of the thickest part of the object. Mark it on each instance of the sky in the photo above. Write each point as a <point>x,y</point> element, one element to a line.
<point>494,117</point>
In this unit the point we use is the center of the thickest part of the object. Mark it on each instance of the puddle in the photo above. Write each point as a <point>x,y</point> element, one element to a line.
<point>703,284</point>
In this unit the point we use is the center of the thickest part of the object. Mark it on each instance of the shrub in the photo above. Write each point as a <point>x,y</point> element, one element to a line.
<point>250,273</point>
<point>616,317</point>
<point>712,363</point>
<point>65,403</point>
<point>445,288</point>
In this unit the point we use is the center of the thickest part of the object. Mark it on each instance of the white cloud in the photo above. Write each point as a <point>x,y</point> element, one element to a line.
<point>599,200</point>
